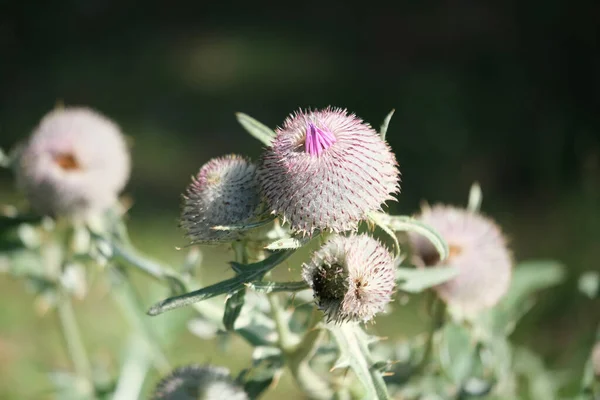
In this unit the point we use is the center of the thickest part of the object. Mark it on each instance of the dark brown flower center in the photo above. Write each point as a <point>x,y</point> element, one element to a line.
<point>67,161</point>
<point>330,282</point>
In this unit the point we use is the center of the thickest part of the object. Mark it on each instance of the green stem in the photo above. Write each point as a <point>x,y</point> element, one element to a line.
<point>439,313</point>
<point>74,343</point>
<point>129,304</point>
<point>286,339</point>
<point>297,354</point>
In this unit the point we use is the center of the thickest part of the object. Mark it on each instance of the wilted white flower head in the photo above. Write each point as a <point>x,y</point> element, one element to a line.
<point>196,382</point>
<point>326,170</point>
<point>225,192</point>
<point>352,278</point>
<point>477,250</point>
<point>75,163</point>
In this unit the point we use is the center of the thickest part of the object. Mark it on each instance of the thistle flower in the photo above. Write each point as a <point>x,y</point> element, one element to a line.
<point>196,382</point>
<point>75,163</point>
<point>326,170</point>
<point>477,250</point>
<point>352,278</point>
<point>225,192</point>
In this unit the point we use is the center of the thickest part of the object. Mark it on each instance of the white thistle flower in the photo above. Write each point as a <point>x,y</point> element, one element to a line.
<point>477,250</point>
<point>75,163</point>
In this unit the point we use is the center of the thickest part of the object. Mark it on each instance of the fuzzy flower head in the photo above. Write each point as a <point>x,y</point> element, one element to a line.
<point>477,250</point>
<point>225,192</point>
<point>326,170</point>
<point>75,163</point>
<point>352,278</point>
<point>196,382</point>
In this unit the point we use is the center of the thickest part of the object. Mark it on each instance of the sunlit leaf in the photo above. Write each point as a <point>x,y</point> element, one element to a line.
<point>353,343</point>
<point>401,223</point>
<point>385,124</point>
<point>270,287</point>
<point>289,243</point>
<point>589,283</point>
<point>256,129</point>
<point>415,280</point>
<point>247,273</point>
<point>244,227</point>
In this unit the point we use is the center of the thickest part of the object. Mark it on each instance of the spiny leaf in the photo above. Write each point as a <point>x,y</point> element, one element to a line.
<point>386,123</point>
<point>270,287</point>
<point>257,129</point>
<point>354,352</point>
<point>416,280</point>
<point>247,274</point>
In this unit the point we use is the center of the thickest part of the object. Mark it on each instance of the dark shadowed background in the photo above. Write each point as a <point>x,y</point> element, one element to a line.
<point>504,93</point>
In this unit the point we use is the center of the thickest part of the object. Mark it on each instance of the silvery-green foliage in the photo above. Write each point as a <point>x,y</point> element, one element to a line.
<point>323,175</point>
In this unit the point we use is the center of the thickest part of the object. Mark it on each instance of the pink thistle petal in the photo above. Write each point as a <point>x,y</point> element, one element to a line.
<point>317,140</point>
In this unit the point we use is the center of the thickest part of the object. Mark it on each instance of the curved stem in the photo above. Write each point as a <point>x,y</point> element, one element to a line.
<point>74,343</point>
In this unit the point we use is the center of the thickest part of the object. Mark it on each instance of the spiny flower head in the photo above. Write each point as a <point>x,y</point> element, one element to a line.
<point>477,250</point>
<point>326,170</point>
<point>196,382</point>
<point>352,277</point>
<point>225,192</point>
<point>75,163</point>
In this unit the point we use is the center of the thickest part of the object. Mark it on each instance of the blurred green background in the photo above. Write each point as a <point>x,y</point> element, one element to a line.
<point>503,93</point>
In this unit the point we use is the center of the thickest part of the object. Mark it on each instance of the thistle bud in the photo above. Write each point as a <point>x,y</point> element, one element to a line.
<point>225,192</point>
<point>196,382</point>
<point>352,278</point>
<point>326,170</point>
<point>75,163</point>
<point>477,250</point>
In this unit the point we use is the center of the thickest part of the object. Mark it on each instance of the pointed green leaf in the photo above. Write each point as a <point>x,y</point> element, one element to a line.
<point>386,123</point>
<point>233,308</point>
<point>415,280</point>
<point>246,274</point>
<point>244,227</point>
<point>289,243</point>
<point>475,198</point>
<point>354,350</point>
<point>378,222</point>
<point>271,287</point>
<point>400,223</point>
<point>257,129</point>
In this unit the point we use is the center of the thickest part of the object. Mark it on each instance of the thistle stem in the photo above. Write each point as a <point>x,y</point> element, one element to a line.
<point>298,353</point>
<point>74,344</point>
<point>129,304</point>
<point>439,313</point>
<point>285,336</point>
